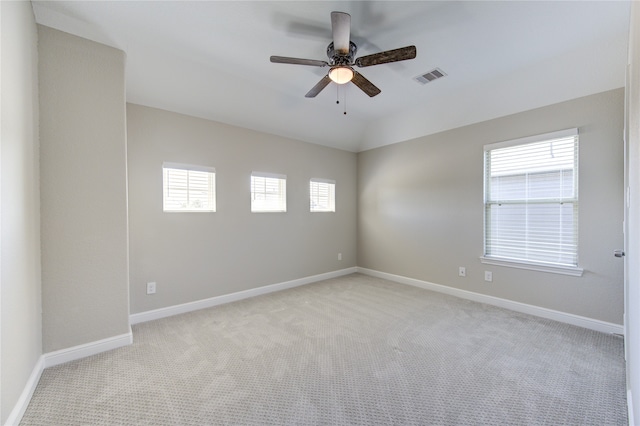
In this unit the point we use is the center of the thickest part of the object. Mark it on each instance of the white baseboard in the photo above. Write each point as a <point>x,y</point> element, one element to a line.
<point>233,297</point>
<point>59,357</point>
<point>25,397</point>
<point>88,349</point>
<point>597,325</point>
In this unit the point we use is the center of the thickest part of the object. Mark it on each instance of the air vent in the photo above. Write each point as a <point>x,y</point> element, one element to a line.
<point>434,74</point>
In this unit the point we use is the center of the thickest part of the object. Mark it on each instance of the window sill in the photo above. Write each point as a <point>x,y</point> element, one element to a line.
<point>188,211</point>
<point>268,211</point>
<point>532,266</point>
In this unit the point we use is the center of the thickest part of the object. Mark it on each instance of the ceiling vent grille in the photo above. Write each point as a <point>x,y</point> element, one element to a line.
<point>430,76</point>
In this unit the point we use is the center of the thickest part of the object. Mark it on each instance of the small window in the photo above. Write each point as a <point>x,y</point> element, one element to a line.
<point>531,200</point>
<point>268,192</point>
<point>188,188</point>
<point>322,195</point>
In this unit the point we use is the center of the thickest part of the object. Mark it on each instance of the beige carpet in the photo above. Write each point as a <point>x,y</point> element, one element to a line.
<point>354,350</point>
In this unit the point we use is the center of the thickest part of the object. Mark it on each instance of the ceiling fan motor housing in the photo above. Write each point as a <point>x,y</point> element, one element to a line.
<point>336,58</point>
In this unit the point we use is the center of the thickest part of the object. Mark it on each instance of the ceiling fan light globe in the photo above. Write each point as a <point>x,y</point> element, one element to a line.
<point>341,75</point>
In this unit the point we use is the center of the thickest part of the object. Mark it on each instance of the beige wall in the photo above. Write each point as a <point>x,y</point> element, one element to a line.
<point>421,209</point>
<point>193,256</point>
<point>21,332</point>
<point>83,190</point>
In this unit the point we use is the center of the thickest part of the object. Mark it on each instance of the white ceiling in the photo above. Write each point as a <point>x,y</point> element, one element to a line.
<point>211,60</point>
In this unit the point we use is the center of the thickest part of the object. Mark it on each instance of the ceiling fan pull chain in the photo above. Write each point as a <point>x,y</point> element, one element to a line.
<point>337,94</point>
<point>345,100</point>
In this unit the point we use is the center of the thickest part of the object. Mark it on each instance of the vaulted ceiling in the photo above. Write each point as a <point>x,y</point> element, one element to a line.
<point>211,60</point>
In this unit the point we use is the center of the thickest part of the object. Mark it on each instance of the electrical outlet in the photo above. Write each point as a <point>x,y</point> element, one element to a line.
<point>488,276</point>
<point>462,271</point>
<point>151,288</point>
<point>339,256</point>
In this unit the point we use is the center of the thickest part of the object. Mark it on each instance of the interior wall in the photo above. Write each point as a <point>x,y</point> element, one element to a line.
<point>420,209</point>
<point>194,256</point>
<point>632,308</point>
<point>21,341</point>
<point>83,190</point>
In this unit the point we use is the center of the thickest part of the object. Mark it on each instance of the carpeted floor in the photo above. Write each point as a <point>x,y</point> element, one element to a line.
<point>354,350</point>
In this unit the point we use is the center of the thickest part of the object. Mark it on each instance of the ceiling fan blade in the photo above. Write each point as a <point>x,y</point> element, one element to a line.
<point>298,61</point>
<point>341,27</point>
<point>318,87</point>
<point>395,55</point>
<point>365,85</point>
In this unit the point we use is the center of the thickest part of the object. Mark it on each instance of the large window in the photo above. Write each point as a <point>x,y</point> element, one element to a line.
<point>322,195</point>
<point>531,200</point>
<point>188,188</point>
<point>268,192</point>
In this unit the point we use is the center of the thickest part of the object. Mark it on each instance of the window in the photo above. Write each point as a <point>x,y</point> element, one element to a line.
<point>531,201</point>
<point>268,192</point>
<point>188,188</point>
<point>322,195</point>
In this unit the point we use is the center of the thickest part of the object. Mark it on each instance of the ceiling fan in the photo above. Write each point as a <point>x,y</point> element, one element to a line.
<point>341,53</point>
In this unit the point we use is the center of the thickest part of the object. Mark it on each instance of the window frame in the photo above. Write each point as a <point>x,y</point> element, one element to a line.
<point>531,264</point>
<point>282,191</point>
<point>331,197</point>
<point>211,195</point>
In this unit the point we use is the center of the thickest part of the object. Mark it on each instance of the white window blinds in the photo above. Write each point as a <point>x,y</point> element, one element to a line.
<point>188,188</point>
<point>322,195</point>
<point>268,192</point>
<point>531,199</point>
